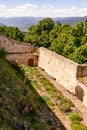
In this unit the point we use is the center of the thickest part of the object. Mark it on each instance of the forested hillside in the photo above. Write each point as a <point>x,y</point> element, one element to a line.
<point>12,33</point>
<point>66,40</point>
<point>69,41</point>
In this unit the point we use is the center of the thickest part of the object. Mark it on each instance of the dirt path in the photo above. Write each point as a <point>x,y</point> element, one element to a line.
<point>42,90</point>
<point>53,117</point>
<point>60,115</point>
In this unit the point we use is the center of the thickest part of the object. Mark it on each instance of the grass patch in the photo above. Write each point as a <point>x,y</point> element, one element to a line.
<point>76,122</point>
<point>79,127</point>
<point>37,124</point>
<point>2,53</point>
<point>18,99</point>
<point>5,127</point>
<point>48,101</point>
<point>35,85</point>
<point>63,103</point>
<point>75,118</point>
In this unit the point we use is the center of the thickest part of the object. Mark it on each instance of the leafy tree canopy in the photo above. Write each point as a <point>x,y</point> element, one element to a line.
<point>66,40</point>
<point>12,33</point>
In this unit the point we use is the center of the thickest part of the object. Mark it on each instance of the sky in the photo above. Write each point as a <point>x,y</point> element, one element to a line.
<point>43,8</point>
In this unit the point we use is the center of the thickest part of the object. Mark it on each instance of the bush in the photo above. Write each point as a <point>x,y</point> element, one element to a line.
<point>79,127</point>
<point>64,104</point>
<point>65,107</point>
<point>2,53</point>
<point>75,118</point>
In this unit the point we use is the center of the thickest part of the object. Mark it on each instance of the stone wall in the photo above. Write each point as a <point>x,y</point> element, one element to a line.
<point>60,68</point>
<point>65,72</point>
<point>19,52</point>
<point>82,70</point>
<point>15,47</point>
<point>23,58</point>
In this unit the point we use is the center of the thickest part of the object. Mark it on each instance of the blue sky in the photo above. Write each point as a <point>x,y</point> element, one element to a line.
<point>55,3</point>
<point>48,8</point>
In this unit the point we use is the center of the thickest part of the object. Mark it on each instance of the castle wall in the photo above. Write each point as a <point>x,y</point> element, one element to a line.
<point>15,47</point>
<point>18,52</point>
<point>60,68</point>
<point>65,72</point>
<point>22,58</point>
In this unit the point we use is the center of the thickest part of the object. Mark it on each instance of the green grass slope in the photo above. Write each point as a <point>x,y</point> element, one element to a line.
<point>19,105</point>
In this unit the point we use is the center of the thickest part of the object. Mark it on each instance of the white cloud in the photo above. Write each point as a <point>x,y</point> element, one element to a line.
<point>48,7</point>
<point>2,6</point>
<point>44,11</point>
<point>26,6</point>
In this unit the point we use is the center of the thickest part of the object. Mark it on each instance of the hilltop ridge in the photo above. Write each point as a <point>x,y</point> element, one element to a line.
<point>24,23</point>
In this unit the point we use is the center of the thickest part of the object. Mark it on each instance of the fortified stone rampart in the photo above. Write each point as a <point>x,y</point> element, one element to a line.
<point>65,72</point>
<point>15,47</point>
<point>27,59</point>
<point>60,68</point>
<point>19,52</point>
<point>69,74</point>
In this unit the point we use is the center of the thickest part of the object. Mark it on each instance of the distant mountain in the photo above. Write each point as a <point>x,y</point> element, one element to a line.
<point>24,22</point>
<point>1,24</point>
<point>21,22</point>
<point>69,20</point>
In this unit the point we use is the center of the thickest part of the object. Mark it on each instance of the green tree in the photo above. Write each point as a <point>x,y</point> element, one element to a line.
<point>12,33</point>
<point>85,26</point>
<point>70,46</point>
<point>80,54</point>
<point>2,53</point>
<point>46,24</point>
<point>62,35</point>
<point>66,40</point>
<point>54,32</point>
<point>38,35</point>
<point>78,29</point>
<point>59,43</point>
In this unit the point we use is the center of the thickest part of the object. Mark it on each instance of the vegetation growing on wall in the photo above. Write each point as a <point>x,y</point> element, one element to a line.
<point>40,83</point>
<point>76,122</point>
<point>63,103</point>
